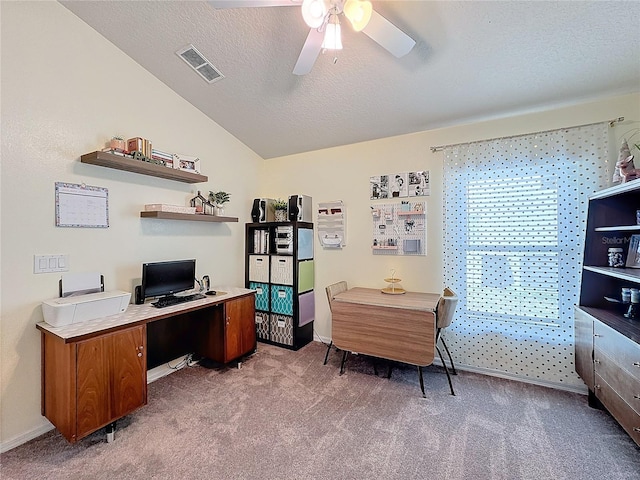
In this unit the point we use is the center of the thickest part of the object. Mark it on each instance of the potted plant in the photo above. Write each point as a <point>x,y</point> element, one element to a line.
<point>117,143</point>
<point>219,199</point>
<point>280,206</point>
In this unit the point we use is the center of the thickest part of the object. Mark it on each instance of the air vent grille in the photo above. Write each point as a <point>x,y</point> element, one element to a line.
<point>196,60</point>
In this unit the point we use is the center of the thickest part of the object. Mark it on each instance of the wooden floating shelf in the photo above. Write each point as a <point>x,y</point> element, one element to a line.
<point>128,164</point>
<point>412,212</point>
<point>194,217</point>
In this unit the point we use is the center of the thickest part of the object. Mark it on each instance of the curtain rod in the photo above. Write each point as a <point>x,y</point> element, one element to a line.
<point>439,148</point>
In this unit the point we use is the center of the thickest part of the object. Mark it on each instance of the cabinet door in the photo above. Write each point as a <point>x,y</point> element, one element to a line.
<point>240,327</point>
<point>111,376</point>
<point>129,372</point>
<point>583,335</point>
<point>93,385</point>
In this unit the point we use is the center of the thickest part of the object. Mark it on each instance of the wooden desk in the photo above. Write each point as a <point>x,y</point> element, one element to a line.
<point>94,373</point>
<point>395,327</point>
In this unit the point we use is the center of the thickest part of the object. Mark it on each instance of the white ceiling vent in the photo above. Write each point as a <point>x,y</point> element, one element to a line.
<point>196,60</point>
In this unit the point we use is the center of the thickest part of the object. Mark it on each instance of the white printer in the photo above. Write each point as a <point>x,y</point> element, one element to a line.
<point>82,299</point>
<point>59,312</point>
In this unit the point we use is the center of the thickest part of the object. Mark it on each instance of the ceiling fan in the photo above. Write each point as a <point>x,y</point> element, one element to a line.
<point>323,18</point>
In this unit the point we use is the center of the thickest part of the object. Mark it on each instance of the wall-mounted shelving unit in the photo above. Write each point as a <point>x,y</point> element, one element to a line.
<point>117,162</point>
<point>186,216</point>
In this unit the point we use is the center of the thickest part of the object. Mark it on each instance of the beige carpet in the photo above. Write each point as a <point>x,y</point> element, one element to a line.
<point>284,415</point>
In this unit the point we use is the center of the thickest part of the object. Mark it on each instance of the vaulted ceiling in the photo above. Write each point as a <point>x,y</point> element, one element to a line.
<point>473,60</point>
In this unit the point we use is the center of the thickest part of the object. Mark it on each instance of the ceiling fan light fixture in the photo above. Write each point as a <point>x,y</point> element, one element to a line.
<point>358,12</point>
<point>313,12</point>
<point>332,34</point>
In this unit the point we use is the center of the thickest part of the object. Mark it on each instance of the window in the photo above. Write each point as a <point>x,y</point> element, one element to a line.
<point>514,220</point>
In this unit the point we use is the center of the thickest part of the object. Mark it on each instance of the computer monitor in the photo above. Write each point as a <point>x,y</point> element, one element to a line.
<point>167,278</point>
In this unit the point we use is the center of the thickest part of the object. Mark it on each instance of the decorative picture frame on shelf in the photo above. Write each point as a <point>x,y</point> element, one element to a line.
<point>192,166</point>
<point>633,254</point>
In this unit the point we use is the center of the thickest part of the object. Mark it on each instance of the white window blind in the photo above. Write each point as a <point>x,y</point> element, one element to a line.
<point>515,213</point>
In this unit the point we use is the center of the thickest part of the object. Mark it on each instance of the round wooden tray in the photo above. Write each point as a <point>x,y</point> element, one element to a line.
<point>392,280</point>
<point>393,291</point>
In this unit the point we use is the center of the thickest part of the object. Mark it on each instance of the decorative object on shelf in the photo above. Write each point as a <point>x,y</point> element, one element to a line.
<point>625,170</point>
<point>633,254</point>
<point>615,257</point>
<point>139,144</point>
<point>161,207</point>
<point>218,199</point>
<point>186,163</point>
<point>117,144</point>
<point>280,209</point>
<point>203,206</point>
<point>394,287</point>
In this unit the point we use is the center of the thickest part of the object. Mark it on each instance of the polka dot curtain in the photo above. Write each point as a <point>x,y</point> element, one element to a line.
<point>515,217</point>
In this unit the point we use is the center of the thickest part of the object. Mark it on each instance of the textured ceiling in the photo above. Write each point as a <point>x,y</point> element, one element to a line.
<point>472,61</point>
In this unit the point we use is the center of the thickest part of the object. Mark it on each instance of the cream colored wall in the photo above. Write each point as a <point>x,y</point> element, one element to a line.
<point>343,173</point>
<point>65,91</point>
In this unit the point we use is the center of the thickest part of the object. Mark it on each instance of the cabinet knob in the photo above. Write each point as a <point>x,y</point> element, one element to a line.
<point>636,429</point>
<point>139,354</point>
<point>596,335</point>
<point>637,397</point>
<point>596,361</point>
<point>636,364</point>
<point>597,387</point>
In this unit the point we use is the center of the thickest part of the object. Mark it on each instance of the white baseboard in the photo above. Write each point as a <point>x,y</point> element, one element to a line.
<point>496,373</point>
<point>165,369</point>
<point>152,375</point>
<point>25,437</point>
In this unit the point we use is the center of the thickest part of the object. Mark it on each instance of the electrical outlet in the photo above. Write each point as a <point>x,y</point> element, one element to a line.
<point>50,263</point>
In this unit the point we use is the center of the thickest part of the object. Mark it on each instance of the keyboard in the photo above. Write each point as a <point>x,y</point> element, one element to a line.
<point>169,301</point>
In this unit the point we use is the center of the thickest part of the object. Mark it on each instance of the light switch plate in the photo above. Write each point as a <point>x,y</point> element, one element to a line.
<point>50,263</point>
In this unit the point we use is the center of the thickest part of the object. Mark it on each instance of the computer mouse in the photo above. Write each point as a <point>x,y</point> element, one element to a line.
<point>211,292</point>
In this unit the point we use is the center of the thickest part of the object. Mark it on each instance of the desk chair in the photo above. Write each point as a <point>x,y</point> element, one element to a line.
<point>333,290</point>
<point>444,316</point>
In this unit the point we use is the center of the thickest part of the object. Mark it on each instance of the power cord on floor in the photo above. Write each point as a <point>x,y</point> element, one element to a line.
<point>187,361</point>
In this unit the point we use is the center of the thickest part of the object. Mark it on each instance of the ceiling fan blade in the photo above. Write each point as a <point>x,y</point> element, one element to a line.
<point>309,53</point>
<point>388,35</point>
<point>253,3</point>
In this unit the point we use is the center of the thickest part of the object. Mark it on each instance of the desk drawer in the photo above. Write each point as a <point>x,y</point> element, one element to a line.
<point>626,416</point>
<point>281,329</point>
<point>262,295</point>
<point>625,385</point>
<point>622,350</point>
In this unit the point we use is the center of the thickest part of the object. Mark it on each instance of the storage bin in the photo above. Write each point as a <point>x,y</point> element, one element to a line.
<point>307,308</point>
<point>305,276</point>
<point>259,268</point>
<point>262,325</point>
<point>282,270</point>
<point>262,295</point>
<point>305,243</point>
<point>282,299</point>
<point>281,329</point>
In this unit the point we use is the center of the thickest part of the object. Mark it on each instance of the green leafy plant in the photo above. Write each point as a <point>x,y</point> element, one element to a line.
<point>280,204</point>
<point>219,198</point>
